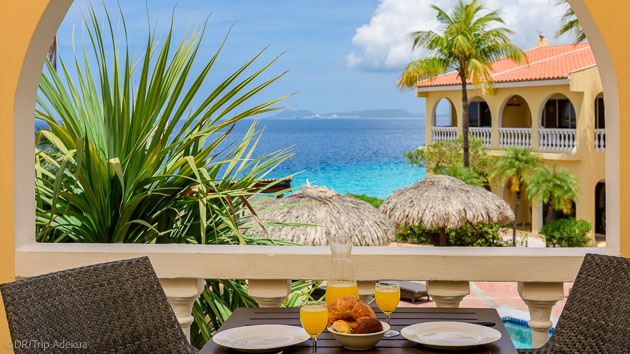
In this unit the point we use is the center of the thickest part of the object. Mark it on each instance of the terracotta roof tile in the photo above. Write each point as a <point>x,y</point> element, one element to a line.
<point>550,62</point>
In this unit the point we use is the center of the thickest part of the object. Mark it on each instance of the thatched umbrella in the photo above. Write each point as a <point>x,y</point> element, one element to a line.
<point>334,213</point>
<point>443,201</point>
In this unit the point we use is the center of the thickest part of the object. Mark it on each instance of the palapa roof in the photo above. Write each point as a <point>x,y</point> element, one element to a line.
<point>545,63</point>
<point>333,213</point>
<point>444,201</point>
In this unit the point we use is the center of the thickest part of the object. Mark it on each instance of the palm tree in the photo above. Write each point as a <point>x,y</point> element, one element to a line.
<point>515,167</point>
<point>569,23</point>
<point>468,46</point>
<point>556,188</point>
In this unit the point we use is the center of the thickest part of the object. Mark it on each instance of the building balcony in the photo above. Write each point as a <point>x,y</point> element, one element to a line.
<point>548,139</point>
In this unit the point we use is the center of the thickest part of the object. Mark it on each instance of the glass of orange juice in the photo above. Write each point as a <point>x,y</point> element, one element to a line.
<point>314,317</point>
<point>387,296</point>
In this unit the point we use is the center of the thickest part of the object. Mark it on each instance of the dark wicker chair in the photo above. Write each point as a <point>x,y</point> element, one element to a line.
<point>596,317</point>
<point>116,307</point>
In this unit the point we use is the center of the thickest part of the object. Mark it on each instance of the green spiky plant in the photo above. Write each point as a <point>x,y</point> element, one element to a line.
<point>468,45</point>
<point>515,168</point>
<point>137,152</point>
<point>555,187</point>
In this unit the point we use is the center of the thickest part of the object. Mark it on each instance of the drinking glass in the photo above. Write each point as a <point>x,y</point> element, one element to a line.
<point>314,317</point>
<point>387,296</point>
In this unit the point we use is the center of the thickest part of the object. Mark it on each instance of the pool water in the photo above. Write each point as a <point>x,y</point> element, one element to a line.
<point>520,332</point>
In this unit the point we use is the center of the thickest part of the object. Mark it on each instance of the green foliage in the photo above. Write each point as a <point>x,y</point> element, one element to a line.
<point>468,44</point>
<point>515,167</point>
<point>301,292</point>
<point>467,175</point>
<point>143,164</point>
<point>567,233</point>
<point>414,234</point>
<point>480,235</point>
<point>553,186</point>
<point>445,158</point>
<point>569,23</point>
<point>125,155</point>
<point>375,202</point>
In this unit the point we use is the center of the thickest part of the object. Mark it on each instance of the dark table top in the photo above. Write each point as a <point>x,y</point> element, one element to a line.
<point>402,317</point>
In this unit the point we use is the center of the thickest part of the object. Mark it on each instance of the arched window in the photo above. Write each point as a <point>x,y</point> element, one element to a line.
<point>444,114</point>
<point>559,113</point>
<point>479,114</point>
<point>600,114</point>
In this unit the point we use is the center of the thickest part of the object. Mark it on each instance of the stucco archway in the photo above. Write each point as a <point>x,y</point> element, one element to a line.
<point>452,112</point>
<point>51,15</point>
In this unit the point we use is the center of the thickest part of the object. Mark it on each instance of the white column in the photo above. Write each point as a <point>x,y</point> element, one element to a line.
<point>269,293</point>
<point>448,293</point>
<point>540,298</point>
<point>181,294</point>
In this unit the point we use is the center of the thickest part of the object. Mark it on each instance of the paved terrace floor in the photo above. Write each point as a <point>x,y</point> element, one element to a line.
<point>501,296</point>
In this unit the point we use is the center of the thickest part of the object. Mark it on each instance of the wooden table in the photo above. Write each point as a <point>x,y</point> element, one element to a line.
<point>404,316</point>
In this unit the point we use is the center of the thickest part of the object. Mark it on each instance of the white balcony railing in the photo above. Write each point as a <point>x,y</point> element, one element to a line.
<point>181,269</point>
<point>485,134</point>
<point>443,134</point>
<point>556,139</point>
<point>515,137</point>
<point>600,139</point>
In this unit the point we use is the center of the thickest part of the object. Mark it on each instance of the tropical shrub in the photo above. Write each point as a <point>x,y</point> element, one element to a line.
<point>375,202</point>
<point>124,155</point>
<point>555,187</point>
<point>515,167</point>
<point>445,158</point>
<point>413,234</point>
<point>480,235</point>
<point>567,233</point>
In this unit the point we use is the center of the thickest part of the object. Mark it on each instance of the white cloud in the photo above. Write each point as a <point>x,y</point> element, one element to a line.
<point>383,43</point>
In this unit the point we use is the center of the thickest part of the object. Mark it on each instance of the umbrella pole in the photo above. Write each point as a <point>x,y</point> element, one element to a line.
<point>442,236</point>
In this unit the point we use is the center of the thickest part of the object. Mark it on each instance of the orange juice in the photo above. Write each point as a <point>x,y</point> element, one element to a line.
<point>314,319</point>
<point>338,289</point>
<point>387,299</point>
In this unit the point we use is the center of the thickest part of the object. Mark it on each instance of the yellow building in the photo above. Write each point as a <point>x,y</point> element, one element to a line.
<point>553,105</point>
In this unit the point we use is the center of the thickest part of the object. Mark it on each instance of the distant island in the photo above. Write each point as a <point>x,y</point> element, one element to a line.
<point>371,113</point>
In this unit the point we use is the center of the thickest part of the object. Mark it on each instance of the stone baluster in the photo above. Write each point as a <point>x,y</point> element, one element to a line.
<point>448,293</point>
<point>540,298</point>
<point>181,294</point>
<point>269,293</point>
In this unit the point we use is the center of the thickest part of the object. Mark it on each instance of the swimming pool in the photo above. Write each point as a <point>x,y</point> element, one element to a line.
<point>520,332</point>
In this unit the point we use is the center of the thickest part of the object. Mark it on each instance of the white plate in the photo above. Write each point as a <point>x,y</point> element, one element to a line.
<point>261,338</point>
<point>450,335</point>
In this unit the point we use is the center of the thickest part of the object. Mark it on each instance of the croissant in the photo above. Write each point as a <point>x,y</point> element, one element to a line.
<point>349,308</point>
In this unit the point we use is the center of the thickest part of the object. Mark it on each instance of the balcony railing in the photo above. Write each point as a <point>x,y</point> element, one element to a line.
<point>515,137</point>
<point>485,134</point>
<point>443,134</point>
<point>600,139</point>
<point>182,268</point>
<point>556,139</point>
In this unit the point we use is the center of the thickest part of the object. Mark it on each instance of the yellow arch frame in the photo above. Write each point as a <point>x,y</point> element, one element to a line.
<point>28,28</point>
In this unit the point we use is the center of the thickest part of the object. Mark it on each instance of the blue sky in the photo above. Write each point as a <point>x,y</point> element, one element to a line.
<point>343,55</point>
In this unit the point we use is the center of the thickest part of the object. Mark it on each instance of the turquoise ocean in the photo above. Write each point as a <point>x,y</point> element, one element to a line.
<point>360,156</point>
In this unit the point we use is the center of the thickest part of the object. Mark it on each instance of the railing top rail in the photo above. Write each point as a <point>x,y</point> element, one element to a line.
<point>556,130</point>
<point>520,129</point>
<point>269,262</point>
